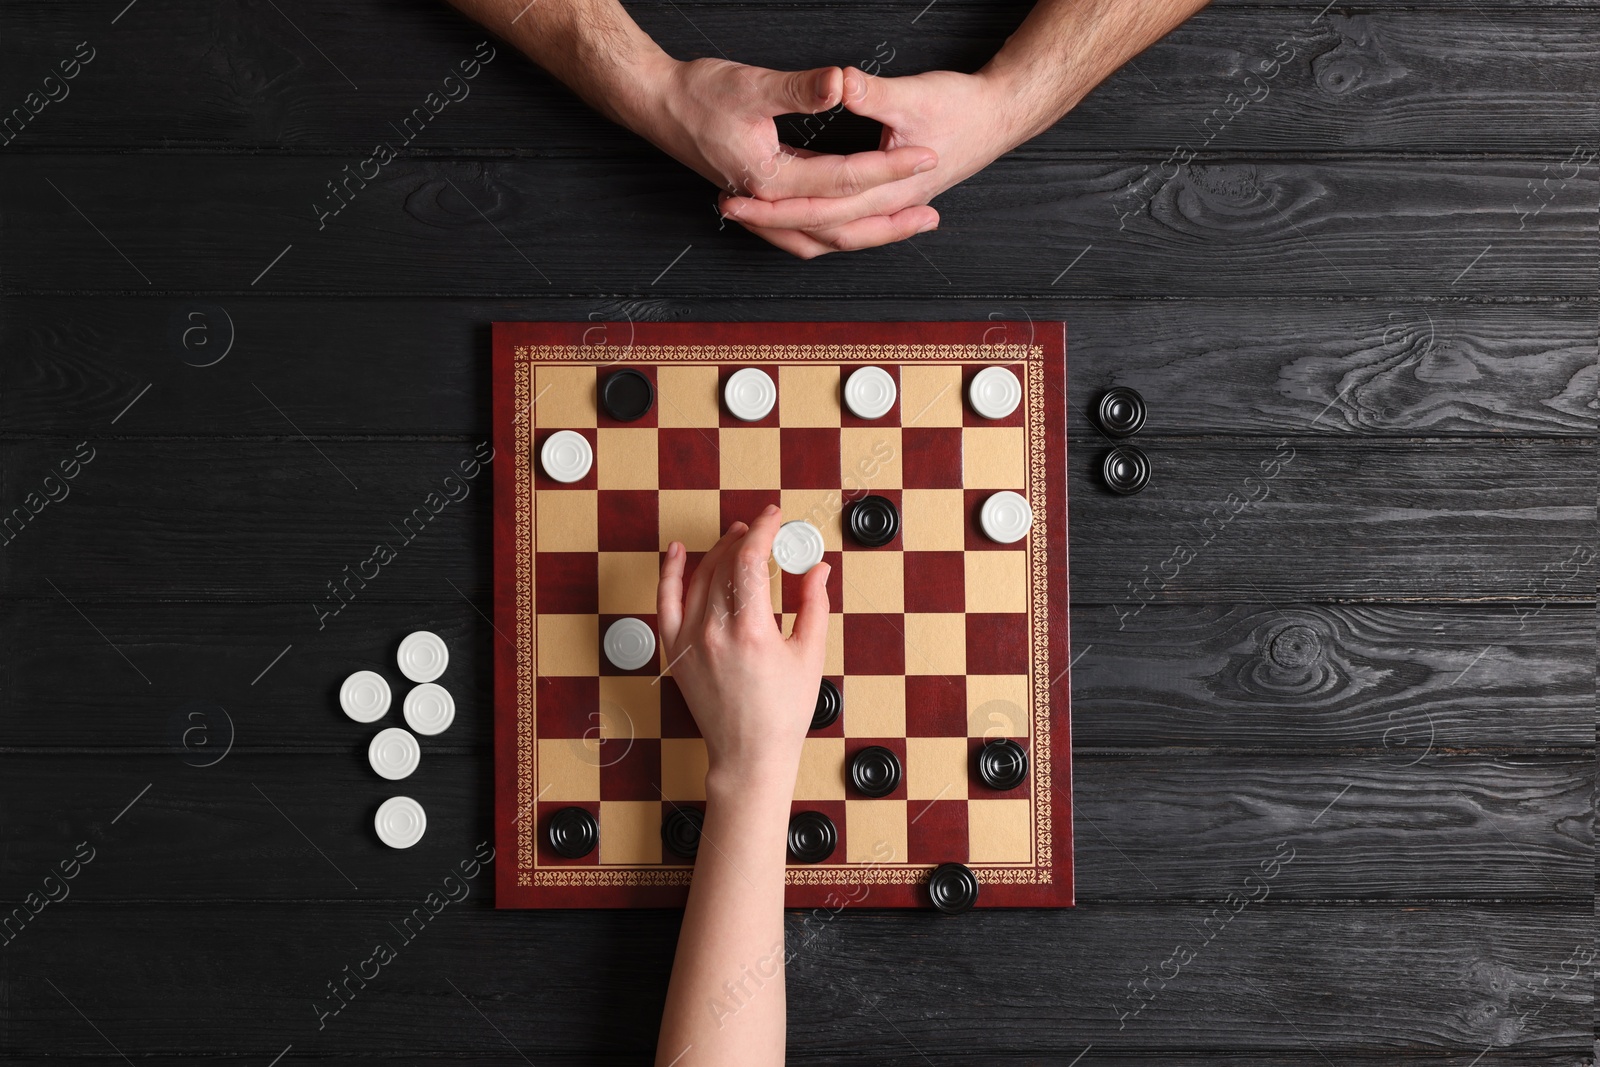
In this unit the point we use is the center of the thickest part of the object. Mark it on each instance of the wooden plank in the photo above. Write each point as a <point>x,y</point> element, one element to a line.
<point>1098,1056</point>
<point>213,977</point>
<point>1385,684</point>
<point>1211,366</point>
<point>578,226</point>
<point>1411,80</point>
<point>276,520</point>
<point>269,825</point>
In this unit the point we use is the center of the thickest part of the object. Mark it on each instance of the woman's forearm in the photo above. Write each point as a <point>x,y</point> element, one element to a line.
<point>725,1004</point>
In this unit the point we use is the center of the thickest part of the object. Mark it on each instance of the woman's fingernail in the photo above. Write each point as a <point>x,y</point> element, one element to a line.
<point>770,509</point>
<point>929,226</point>
<point>925,166</point>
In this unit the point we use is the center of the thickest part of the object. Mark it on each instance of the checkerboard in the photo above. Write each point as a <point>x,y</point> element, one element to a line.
<point>938,641</point>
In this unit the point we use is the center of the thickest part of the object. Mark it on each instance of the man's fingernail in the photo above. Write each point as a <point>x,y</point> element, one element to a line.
<point>925,166</point>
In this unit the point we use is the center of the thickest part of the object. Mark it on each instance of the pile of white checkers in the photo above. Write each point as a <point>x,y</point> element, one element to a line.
<point>429,709</point>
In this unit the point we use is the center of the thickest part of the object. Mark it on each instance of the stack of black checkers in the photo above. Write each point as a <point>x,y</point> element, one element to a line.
<point>1125,469</point>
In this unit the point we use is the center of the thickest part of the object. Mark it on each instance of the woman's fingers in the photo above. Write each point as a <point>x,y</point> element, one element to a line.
<point>700,592</point>
<point>669,595</point>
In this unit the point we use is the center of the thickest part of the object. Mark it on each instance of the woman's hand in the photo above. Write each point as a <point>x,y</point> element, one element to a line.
<point>751,689</point>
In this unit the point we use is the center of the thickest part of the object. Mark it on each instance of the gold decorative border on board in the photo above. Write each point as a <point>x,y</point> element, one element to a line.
<point>1040,871</point>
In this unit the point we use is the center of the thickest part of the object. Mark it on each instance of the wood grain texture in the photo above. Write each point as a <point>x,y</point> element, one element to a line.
<point>1206,367</point>
<point>199,978</point>
<point>1385,684</point>
<point>239,75</point>
<point>266,825</point>
<point>273,519</point>
<point>1226,229</point>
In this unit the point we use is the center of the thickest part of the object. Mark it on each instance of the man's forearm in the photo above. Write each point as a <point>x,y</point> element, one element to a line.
<point>1064,48</point>
<point>592,46</point>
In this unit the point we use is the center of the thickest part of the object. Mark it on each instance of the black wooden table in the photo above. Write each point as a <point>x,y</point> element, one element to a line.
<point>1335,700</point>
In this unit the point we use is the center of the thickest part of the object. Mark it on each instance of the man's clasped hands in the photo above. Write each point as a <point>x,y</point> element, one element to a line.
<point>717,117</point>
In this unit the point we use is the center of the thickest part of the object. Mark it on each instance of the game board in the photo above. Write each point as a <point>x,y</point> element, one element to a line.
<point>938,641</point>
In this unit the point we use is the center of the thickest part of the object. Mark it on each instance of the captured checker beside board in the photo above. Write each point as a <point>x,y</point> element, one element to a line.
<point>938,768</point>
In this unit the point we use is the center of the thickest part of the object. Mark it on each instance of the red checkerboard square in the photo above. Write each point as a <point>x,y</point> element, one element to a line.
<point>833,809</point>
<point>567,583</point>
<point>936,705</point>
<point>630,768</point>
<point>997,644</point>
<point>676,718</point>
<point>976,539</point>
<point>567,706</point>
<point>628,520</point>
<point>852,745</point>
<point>930,457</point>
<point>972,418</point>
<point>651,668</point>
<point>728,418</point>
<point>890,418</point>
<point>792,582</point>
<point>874,644</point>
<point>936,581</point>
<point>936,831</point>
<point>688,458</point>
<point>549,856</point>
<point>809,457</point>
<point>541,480</point>
<point>743,505</point>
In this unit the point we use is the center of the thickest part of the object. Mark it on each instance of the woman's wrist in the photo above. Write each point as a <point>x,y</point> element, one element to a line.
<point>753,784</point>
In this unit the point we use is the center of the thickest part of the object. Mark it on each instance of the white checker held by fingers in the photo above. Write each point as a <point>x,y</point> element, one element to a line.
<point>423,656</point>
<point>629,644</point>
<point>798,546</point>
<point>400,822</point>
<point>566,456</point>
<point>1006,517</point>
<point>750,394</point>
<point>429,709</point>
<point>869,393</point>
<point>994,392</point>
<point>365,696</point>
<point>393,753</point>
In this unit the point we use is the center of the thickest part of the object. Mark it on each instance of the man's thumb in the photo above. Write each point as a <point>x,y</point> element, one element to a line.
<point>805,92</point>
<point>870,96</point>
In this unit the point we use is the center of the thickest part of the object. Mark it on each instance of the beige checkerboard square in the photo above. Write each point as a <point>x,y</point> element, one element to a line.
<point>933,520</point>
<point>997,705</point>
<point>936,642</point>
<point>628,582</point>
<point>687,396</point>
<point>625,459</point>
<point>569,645</point>
<point>833,653</point>
<point>569,769</point>
<point>930,396</point>
<point>869,458</point>
<point>564,396</point>
<point>874,582</point>
<point>993,457</point>
<point>822,508</point>
<point>693,516</point>
<point>999,831</point>
<point>997,581</point>
<point>564,520</point>
<point>683,768</point>
<point>936,768</point>
<point>874,705</point>
<point>808,396</point>
<point>875,831</point>
<point>749,457</point>
<point>629,708</point>
<point>821,769</point>
<point>630,831</point>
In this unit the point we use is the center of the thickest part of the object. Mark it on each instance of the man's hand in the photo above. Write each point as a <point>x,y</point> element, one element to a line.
<point>963,117</point>
<point>716,117</point>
